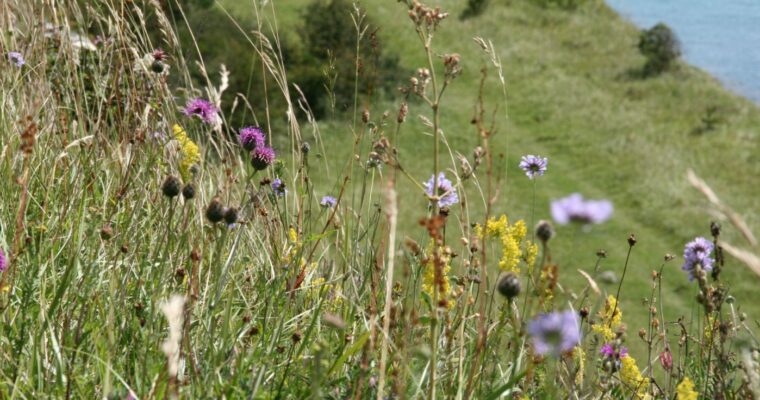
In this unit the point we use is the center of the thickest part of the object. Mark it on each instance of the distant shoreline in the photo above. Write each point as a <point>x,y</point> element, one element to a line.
<point>706,30</point>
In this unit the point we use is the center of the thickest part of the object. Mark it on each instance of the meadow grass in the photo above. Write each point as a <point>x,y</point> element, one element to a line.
<point>291,300</point>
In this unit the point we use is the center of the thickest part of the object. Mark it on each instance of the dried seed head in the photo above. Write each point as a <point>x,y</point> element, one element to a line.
<point>230,215</point>
<point>215,211</point>
<point>171,186</point>
<point>632,240</point>
<point>106,232</point>
<point>544,231</point>
<point>188,192</point>
<point>509,286</point>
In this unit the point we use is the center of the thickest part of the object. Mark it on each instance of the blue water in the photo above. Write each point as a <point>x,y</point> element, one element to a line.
<point>719,36</point>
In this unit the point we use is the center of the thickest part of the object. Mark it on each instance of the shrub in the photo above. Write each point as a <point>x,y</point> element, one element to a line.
<point>563,4</point>
<point>660,46</point>
<point>473,9</point>
<point>329,60</point>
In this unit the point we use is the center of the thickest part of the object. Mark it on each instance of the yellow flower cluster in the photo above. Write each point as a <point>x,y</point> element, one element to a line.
<point>429,285</point>
<point>318,289</point>
<point>685,390</point>
<point>511,237</point>
<point>609,323</point>
<point>631,377</point>
<point>190,154</point>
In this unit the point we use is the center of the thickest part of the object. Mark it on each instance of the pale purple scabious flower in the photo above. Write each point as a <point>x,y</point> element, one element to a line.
<point>446,190</point>
<point>3,261</point>
<point>262,157</point>
<point>278,187</point>
<point>533,165</point>
<point>251,137</point>
<point>574,208</point>
<point>555,333</point>
<point>202,109</point>
<point>16,58</point>
<point>328,202</point>
<point>697,251</point>
<point>609,351</point>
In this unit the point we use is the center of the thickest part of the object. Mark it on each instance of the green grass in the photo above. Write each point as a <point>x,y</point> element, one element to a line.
<point>572,97</point>
<point>96,248</point>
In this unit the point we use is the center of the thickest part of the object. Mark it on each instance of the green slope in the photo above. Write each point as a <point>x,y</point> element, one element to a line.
<point>607,135</point>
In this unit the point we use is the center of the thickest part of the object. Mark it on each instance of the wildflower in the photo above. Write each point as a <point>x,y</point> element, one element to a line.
<point>251,137</point>
<point>278,187</point>
<point>666,359</point>
<point>445,191</point>
<point>327,293</point>
<point>697,252</point>
<point>609,322</point>
<point>190,155</point>
<point>555,333</point>
<point>16,58</point>
<point>202,109</point>
<point>574,208</point>
<point>544,231</point>
<point>230,216</point>
<point>511,237</point>
<point>215,211</point>
<point>685,390</point>
<point>429,282</point>
<point>262,157</point>
<point>328,202</point>
<point>3,261</point>
<point>171,187</point>
<point>188,192</point>
<point>632,379</point>
<point>509,286</point>
<point>608,350</point>
<point>533,165</point>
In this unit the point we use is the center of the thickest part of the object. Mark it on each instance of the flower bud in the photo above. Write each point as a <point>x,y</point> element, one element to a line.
<point>509,286</point>
<point>171,186</point>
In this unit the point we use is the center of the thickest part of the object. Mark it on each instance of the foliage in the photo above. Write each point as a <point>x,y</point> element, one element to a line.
<point>660,47</point>
<point>473,9</point>
<point>247,286</point>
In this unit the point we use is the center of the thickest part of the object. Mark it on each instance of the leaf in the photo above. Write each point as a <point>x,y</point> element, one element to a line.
<point>503,388</point>
<point>591,281</point>
<point>348,353</point>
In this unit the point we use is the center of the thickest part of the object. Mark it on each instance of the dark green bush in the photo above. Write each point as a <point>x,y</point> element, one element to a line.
<point>563,4</point>
<point>328,63</point>
<point>474,8</point>
<point>660,46</point>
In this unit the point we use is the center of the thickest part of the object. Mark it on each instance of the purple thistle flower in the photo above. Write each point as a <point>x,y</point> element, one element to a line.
<point>262,157</point>
<point>251,137</point>
<point>202,109</point>
<point>697,251</point>
<point>574,208</point>
<point>16,58</point>
<point>3,261</point>
<point>533,165</point>
<point>328,202</point>
<point>609,350</point>
<point>278,187</point>
<point>555,333</point>
<point>446,190</point>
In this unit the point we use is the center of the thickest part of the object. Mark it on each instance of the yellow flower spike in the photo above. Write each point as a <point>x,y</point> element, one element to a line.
<point>685,390</point>
<point>190,154</point>
<point>429,285</point>
<point>608,322</point>
<point>631,377</point>
<point>531,251</point>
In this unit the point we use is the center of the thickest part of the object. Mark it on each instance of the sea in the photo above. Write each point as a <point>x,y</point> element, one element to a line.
<point>721,37</point>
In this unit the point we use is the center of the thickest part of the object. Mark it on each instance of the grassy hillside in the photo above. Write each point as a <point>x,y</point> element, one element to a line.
<point>145,251</point>
<point>574,96</point>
